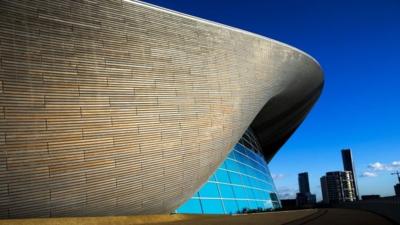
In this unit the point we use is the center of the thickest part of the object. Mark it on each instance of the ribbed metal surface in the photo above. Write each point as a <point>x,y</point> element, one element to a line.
<point>114,107</point>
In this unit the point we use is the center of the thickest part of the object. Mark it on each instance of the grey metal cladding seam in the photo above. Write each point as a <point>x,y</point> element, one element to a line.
<point>120,107</point>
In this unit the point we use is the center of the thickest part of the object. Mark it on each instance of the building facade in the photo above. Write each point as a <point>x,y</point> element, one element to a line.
<point>348,165</point>
<point>337,187</point>
<point>121,107</point>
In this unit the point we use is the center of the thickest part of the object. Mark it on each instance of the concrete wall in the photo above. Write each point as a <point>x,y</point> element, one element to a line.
<point>117,107</point>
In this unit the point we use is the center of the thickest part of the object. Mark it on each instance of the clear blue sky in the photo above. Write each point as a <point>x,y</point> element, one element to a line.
<point>358,45</point>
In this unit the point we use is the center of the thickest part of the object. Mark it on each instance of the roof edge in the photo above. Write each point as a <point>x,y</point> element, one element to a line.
<point>213,23</point>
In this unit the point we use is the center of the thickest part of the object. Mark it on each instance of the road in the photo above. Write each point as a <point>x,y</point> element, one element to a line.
<point>316,217</point>
<point>294,217</point>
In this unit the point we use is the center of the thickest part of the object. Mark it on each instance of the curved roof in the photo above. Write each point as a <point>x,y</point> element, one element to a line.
<point>130,108</point>
<point>283,113</point>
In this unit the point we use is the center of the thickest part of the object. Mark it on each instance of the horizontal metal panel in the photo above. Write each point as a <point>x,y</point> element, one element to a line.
<point>120,107</point>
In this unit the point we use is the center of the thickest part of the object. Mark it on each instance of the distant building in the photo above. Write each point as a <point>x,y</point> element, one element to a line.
<point>304,184</point>
<point>338,187</point>
<point>348,165</point>
<point>288,204</point>
<point>370,197</point>
<point>324,190</point>
<point>397,189</point>
<point>397,186</point>
<point>304,198</point>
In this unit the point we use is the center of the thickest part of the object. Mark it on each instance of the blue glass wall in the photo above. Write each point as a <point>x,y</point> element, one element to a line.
<point>243,182</point>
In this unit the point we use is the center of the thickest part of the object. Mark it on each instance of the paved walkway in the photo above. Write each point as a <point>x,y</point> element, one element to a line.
<point>296,217</point>
<point>342,217</point>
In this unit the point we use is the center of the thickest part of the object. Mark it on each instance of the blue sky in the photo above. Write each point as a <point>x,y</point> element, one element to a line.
<point>358,45</point>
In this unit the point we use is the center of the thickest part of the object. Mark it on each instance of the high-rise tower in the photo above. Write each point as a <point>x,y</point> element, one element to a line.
<point>304,198</point>
<point>304,185</point>
<point>348,165</point>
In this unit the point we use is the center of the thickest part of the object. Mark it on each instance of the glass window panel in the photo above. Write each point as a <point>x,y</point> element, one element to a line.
<point>252,163</point>
<point>250,154</point>
<point>268,186</point>
<point>251,158</point>
<point>265,176</point>
<point>266,169</point>
<point>243,175</point>
<point>246,180</point>
<point>238,156</point>
<point>251,194</point>
<point>226,191</point>
<point>231,154</point>
<point>212,206</point>
<point>260,204</point>
<point>259,194</point>
<point>191,206</point>
<point>243,204</point>
<point>235,178</point>
<point>241,149</point>
<point>253,182</point>
<point>253,205</point>
<point>263,171</point>
<point>261,185</point>
<point>256,183</point>
<point>223,165</point>
<point>258,166</point>
<point>273,196</point>
<point>250,171</point>
<point>249,162</point>
<point>259,158</point>
<point>222,176</point>
<point>267,180</point>
<point>259,177</point>
<point>240,167</point>
<point>254,172</point>
<point>264,185</point>
<point>240,192</point>
<point>231,165</point>
<point>267,204</point>
<point>209,190</point>
<point>276,205</point>
<point>212,178</point>
<point>231,206</point>
<point>246,170</point>
<point>266,195</point>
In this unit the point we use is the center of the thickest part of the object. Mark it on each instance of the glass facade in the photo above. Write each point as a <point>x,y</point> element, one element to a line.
<point>242,183</point>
